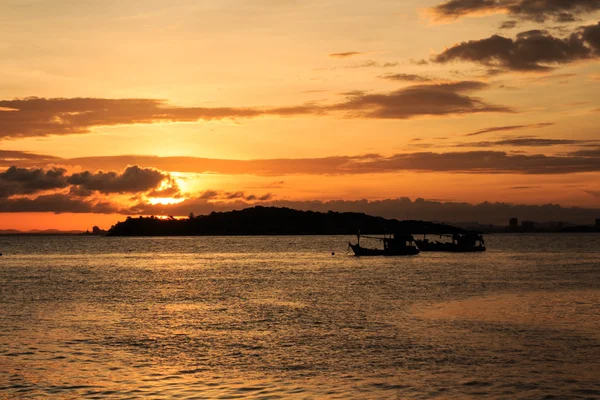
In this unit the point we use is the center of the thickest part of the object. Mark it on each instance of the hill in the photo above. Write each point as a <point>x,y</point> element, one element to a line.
<point>273,221</point>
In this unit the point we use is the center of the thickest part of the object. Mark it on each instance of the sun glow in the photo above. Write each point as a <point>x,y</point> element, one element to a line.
<point>164,200</point>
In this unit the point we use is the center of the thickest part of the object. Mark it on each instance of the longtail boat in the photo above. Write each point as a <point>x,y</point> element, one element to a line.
<point>394,245</point>
<point>461,243</point>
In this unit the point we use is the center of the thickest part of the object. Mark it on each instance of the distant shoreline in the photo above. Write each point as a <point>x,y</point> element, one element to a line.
<point>281,221</point>
<point>269,235</point>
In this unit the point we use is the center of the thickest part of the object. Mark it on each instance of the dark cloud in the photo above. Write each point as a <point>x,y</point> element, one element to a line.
<point>417,100</point>
<point>454,9</point>
<point>238,196</point>
<point>509,128</point>
<point>406,78</point>
<point>56,203</point>
<point>400,208</point>
<point>508,25</point>
<point>17,181</point>
<point>234,195</point>
<point>523,187</point>
<point>487,162</point>
<point>264,197</point>
<point>535,50</point>
<point>592,153</point>
<point>133,180</point>
<point>346,54</point>
<point>591,35</point>
<point>534,10</point>
<point>25,181</point>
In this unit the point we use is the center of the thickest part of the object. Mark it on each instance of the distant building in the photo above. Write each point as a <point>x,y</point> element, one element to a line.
<point>513,224</point>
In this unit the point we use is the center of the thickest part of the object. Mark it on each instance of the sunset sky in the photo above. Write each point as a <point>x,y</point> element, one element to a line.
<point>115,108</point>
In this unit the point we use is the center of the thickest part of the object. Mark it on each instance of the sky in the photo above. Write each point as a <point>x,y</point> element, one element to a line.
<point>131,107</point>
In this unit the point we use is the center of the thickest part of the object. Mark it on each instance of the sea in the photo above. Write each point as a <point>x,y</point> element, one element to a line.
<point>297,317</point>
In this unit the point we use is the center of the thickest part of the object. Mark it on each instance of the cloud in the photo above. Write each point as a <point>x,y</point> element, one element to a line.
<point>24,181</point>
<point>56,203</point>
<point>533,10</point>
<point>16,181</point>
<point>594,193</point>
<point>474,162</point>
<point>372,64</point>
<point>486,162</point>
<point>508,25</point>
<point>406,78</point>
<point>42,117</point>
<point>9,156</point>
<point>535,50</point>
<point>509,128</point>
<point>593,153</point>
<point>419,100</point>
<point>526,142</point>
<point>346,54</point>
<point>133,180</point>
<point>62,116</point>
<point>399,208</point>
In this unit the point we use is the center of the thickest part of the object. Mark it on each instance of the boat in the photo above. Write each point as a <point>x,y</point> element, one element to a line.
<point>469,242</point>
<point>395,245</point>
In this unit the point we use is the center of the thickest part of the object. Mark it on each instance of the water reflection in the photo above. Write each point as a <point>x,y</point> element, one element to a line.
<point>281,317</point>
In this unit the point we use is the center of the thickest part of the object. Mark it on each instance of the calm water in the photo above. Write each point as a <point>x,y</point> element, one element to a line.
<point>265,317</point>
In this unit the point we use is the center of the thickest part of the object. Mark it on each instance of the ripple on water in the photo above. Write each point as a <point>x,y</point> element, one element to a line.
<point>183,318</point>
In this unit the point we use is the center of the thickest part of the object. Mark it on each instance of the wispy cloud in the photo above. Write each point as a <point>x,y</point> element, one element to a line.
<point>57,116</point>
<point>469,162</point>
<point>346,54</point>
<point>510,128</point>
<point>527,142</point>
<point>406,78</point>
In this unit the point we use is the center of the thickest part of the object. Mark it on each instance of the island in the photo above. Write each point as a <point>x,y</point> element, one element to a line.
<point>274,221</point>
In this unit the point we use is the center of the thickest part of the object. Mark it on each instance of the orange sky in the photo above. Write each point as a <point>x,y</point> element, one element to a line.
<point>228,104</point>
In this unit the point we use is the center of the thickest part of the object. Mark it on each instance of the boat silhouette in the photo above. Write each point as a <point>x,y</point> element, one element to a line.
<point>469,242</point>
<point>398,244</point>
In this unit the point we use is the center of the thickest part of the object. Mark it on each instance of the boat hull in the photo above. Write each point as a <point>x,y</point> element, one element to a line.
<point>363,251</point>
<point>448,247</point>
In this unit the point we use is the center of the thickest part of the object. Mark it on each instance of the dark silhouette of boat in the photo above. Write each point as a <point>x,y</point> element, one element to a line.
<point>461,243</point>
<point>397,245</point>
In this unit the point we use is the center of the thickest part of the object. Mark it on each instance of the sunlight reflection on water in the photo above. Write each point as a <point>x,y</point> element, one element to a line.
<point>280,317</point>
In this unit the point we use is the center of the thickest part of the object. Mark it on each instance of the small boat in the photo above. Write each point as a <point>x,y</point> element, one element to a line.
<point>396,245</point>
<point>461,243</point>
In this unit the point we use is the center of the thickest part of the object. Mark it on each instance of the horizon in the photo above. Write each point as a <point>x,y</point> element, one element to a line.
<point>154,109</point>
<point>585,220</point>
